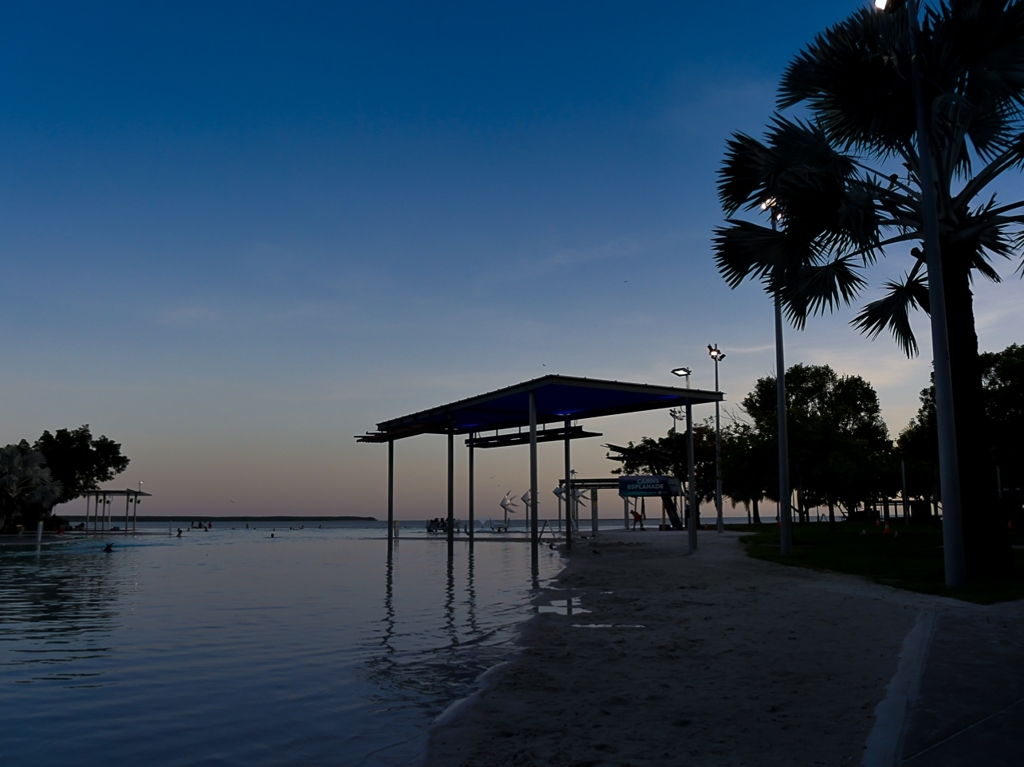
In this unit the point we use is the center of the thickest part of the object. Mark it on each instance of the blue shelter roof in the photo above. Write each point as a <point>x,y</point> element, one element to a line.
<point>558,398</point>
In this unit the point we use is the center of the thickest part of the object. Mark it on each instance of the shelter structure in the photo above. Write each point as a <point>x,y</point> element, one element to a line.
<point>535,405</point>
<point>100,502</point>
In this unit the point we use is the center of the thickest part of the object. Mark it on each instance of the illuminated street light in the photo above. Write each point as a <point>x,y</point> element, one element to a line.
<point>683,373</point>
<point>717,355</point>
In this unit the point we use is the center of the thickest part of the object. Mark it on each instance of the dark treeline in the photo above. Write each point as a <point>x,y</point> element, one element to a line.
<point>842,456</point>
<point>56,468</point>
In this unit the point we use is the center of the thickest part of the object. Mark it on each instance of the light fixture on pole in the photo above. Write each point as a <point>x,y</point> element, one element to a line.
<point>771,205</point>
<point>949,464</point>
<point>683,373</point>
<point>717,355</point>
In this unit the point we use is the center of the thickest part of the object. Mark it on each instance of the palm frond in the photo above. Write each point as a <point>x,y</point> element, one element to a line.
<point>746,250</point>
<point>816,289</point>
<point>892,311</point>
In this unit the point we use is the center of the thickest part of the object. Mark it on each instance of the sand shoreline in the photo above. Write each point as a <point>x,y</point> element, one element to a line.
<point>713,659</point>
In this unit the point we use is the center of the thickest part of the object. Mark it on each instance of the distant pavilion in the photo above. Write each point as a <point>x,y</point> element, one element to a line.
<point>496,419</point>
<point>101,501</point>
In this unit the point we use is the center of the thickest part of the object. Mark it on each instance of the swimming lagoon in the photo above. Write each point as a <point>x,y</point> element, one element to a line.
<point>231,647</point>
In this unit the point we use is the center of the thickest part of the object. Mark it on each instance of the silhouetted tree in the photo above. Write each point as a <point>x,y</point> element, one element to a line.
<point>837,215</point>
<point>27,490</point>
<point>839,444</point>
<point>80,462</point>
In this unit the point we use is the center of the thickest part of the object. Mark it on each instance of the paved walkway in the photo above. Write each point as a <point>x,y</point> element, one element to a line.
<point>970,709</point>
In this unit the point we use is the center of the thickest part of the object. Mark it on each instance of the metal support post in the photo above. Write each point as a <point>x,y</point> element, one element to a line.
<point>568,487</point>
<point>391,490</point>
<point>451,490</point>
<point>691,481</point>
<point>533,468</point>
<point>593,511</point>
<point>785,513</point>
<point>472,488</point>
<point>906,501</point>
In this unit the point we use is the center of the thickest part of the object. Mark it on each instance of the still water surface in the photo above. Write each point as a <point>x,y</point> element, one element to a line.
<point>231,647</point>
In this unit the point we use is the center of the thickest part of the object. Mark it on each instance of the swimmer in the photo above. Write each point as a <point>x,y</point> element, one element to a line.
<point>271,535</point>
<point>179,532</point>
<point>108,548</point>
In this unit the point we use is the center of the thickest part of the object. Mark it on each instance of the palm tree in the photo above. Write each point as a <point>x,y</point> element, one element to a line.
<point>843,214</point>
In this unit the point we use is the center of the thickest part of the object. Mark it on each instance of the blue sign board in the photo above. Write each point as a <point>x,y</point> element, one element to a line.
<point>648,486</point>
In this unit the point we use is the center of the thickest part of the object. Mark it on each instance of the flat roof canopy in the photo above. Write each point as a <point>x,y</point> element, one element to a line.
<point>558,398</point>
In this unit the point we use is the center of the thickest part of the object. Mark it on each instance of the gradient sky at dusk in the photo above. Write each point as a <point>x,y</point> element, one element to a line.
<point>236,235</point>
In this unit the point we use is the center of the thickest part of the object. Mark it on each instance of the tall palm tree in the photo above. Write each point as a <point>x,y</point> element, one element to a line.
<point>855,80</point>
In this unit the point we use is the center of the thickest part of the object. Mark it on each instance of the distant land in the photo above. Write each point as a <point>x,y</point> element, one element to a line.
<point>205,518</point>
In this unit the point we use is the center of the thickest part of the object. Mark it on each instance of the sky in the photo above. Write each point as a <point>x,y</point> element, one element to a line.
<point>236,235</point>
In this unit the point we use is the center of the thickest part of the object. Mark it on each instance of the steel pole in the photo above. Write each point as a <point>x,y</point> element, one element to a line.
<point>718,455</point>
<point>451,491</point>
<point>785,518</point>
<point>949,466</point>
<point>568,488</point>
<point>533,469</point>
<point>691,523</point>
<point>472,490</point>
<point>906,502</point>
<point>391,490</point>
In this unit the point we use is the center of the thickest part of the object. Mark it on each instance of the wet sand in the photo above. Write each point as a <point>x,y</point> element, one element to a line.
<point>709,659</point>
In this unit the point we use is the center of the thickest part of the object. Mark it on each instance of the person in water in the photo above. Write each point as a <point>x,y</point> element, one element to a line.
<point>108,548</point>
<point>179,532</point>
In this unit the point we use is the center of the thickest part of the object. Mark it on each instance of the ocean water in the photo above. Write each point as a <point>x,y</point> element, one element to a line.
<point>229,647</point>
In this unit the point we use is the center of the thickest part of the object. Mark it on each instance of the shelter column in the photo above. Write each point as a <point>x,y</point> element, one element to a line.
<point>127,507</point>
<point>391,490</point>
<point>568,486</point>
<point>593,511</point>
<point>691,523</point>
<point>135,512</point>
<point>451,489</point>
<point>533,468</point>
<point>625,511</point>
<point>472,489</point>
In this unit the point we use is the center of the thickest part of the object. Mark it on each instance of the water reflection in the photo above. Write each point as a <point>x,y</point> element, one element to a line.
<point>440,665</point>
<point>57,606</point>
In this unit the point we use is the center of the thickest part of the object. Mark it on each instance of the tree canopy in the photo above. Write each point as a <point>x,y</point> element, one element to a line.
<point>79,461</point>
<point>27,489</point>
<point>840,451</point>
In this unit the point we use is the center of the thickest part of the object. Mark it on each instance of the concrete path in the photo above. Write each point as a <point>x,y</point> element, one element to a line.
<point>970,708</point>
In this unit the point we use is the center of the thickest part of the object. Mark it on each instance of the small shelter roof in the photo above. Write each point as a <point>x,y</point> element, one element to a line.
<point>115,493</point>
<point>558,398</point>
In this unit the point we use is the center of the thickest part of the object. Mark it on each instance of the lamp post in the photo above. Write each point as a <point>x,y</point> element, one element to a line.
<point>949,465</point>
<point>718,356</point>
<point>785,515</point>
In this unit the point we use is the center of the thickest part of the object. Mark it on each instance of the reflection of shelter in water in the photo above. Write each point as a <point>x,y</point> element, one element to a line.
<point>101,503</point>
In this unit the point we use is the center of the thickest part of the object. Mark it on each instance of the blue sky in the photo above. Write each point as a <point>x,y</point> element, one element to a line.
<point>236,235</point>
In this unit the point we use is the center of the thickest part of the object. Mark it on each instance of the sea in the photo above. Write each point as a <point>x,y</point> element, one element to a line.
<point>280,643</point>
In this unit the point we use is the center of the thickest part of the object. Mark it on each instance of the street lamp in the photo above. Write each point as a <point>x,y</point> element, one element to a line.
<point>683,373</point>
<point>718,355</point>
<point>949,464</point>
<point>771,205</point>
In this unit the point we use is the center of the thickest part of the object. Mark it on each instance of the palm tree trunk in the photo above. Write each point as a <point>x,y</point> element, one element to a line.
<point>757,514</point>
<point>986,542</point>
<point>831,514</point>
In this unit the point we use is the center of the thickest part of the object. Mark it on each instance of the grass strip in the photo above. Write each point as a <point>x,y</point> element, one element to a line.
<point>909,557</point>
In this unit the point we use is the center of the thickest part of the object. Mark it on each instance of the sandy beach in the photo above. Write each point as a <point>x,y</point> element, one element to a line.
<point>709,659</point>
